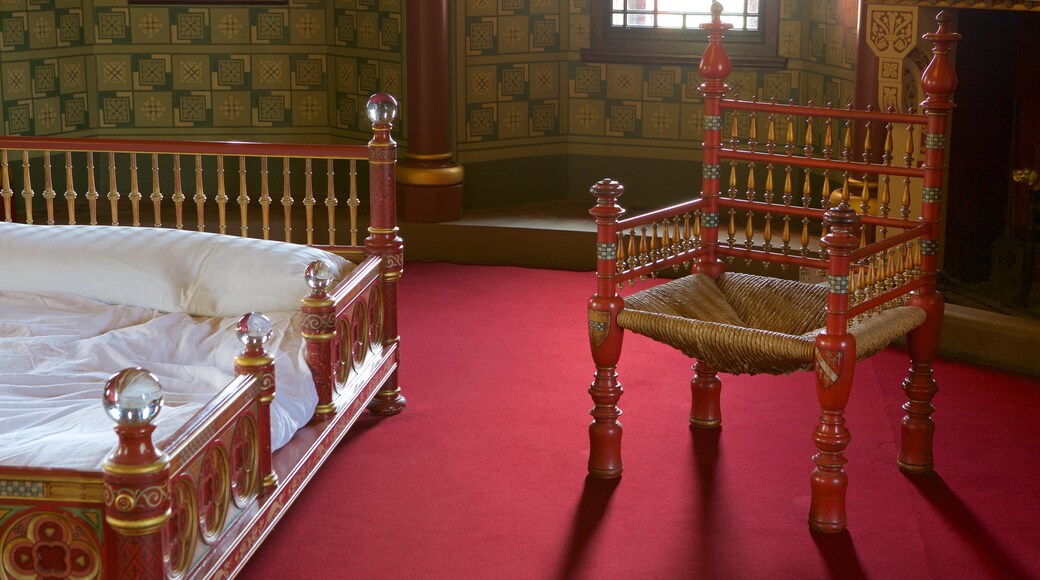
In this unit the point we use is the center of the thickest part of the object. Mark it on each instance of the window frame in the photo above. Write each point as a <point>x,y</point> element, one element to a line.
<point>607,43</point>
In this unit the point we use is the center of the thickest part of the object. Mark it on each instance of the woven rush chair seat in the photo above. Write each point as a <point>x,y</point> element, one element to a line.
<point>745,323</point>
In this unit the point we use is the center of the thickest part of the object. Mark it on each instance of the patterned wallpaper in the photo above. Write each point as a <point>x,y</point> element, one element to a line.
<point>103,67</point>
<point>524,90</point>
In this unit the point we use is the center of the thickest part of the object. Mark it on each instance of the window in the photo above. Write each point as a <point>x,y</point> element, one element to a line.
<point>668,31</point>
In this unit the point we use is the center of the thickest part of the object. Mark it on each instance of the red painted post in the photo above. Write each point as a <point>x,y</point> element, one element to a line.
<point>137,480</point>
<point>605,336</point>
<point>319,334</point>
<point>714,68</point>
<point>382,237</point>
<point>254,329</point>
<point>939,82</point>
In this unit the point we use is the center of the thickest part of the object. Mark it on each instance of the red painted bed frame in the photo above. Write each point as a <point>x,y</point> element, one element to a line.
<point>200,507</point>
<point>688,236</point>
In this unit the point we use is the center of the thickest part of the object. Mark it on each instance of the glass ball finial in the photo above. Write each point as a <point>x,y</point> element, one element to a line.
<point>132,397</point>
<point>254,328</point>
<point>319,275</point>
<point>382,108</point>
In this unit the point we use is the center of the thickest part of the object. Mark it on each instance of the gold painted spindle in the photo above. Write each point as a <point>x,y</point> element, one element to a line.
<point>308,200</point>
<point>330,200</point>
<point>200,196</point>
<point>92,192</point>
<point>908,160</point>
<point>27,192</point>
<point>178,193</point>
<point>353,202</point>
<point>157,195</point>
<point>287,200</point>
<point>48,187</point>
<point>620,251</point>
<point>749,230</point>
<point>70,188</point>
<point>265,200</point>
<point>643,258</point>
<point>806,202</point>
<point>5,190</point>
<point>680,244</point>
<point>222,197</point>
<point>243,196</point>
<point>135,192</point>
<point>113,188</point>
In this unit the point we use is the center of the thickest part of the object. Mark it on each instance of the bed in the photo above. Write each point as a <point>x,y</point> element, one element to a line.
<point>179,355</point>
<point>814,242</point>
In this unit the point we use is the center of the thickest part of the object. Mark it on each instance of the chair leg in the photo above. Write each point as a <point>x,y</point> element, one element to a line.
<point>915,449</point>
<point>835,362</point>
<point>605,430</point>
<point>706,391</point>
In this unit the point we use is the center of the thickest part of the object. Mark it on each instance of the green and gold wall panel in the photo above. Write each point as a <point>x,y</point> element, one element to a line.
<point>299,71</point>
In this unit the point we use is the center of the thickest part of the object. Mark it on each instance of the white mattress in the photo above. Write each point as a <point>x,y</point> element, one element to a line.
<point>57,350</point>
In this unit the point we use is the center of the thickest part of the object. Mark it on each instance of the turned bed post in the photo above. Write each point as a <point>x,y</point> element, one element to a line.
<point>938,82</point>
<point>382,237</point>
<point>319,333</point>
<point>137,480</point>
<point>254,329</point>
<point>605,336</point>
<point>714,68</point>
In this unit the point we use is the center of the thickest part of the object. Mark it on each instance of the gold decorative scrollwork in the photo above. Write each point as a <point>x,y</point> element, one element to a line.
<point>126,500</point>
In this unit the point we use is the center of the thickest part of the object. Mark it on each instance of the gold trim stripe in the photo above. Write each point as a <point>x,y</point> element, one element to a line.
<point>253,362</point>
<point>139,527</point>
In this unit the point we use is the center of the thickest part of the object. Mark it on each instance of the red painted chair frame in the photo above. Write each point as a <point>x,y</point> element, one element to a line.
<point>835,346</point>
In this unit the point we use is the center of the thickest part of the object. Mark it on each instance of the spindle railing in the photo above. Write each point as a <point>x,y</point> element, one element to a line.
<point>189,185</point>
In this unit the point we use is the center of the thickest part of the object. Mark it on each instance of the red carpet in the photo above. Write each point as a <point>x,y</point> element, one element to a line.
<point>483,475</point>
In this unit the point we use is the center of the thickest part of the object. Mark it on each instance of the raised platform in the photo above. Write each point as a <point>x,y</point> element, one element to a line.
<point>562,235</point>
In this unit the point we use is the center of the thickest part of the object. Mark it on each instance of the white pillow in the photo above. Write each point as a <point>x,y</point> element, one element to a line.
<point>168,270</point>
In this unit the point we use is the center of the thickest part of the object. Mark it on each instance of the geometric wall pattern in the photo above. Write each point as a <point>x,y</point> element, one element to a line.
<point>97,67</point>
<point>522,83</point>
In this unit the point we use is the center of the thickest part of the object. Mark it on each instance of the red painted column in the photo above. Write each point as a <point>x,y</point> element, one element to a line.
<point>429,182</point>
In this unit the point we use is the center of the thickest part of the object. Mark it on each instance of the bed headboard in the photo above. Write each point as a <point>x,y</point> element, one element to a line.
<point>303,193</point>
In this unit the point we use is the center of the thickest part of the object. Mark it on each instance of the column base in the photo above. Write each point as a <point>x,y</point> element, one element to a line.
<point>429,203</point>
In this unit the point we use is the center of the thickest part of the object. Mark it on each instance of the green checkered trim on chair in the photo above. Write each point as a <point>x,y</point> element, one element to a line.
<point>606,251</point>
<point>934,140</point>
<point>17,488</point>
<point>838,284</point>
<point>930,247</point>
<point>931,194</point>
<point>710,220</point>
<point>712,171</point>
<point>713,122</point>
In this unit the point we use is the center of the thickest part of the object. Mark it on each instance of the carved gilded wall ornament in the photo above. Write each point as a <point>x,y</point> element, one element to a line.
<point>891,36</point>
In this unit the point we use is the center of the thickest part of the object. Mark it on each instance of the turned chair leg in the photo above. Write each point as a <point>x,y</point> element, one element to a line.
<point>605,337</point>
<point>835,362</point>
<point>917,430</point>
<point>706,391</point>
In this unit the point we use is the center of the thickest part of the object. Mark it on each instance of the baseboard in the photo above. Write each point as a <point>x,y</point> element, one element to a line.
<point>989,338</point>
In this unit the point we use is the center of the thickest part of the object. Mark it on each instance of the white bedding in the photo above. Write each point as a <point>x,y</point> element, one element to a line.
<point>57,350</point>
<point>79,303</point>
